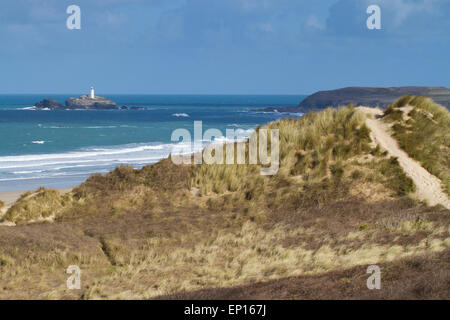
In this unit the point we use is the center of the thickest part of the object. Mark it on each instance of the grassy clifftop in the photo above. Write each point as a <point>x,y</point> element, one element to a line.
<point>368,96</point>
<point>337,202</point>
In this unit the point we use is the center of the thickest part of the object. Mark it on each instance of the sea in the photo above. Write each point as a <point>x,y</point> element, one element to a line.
<point>62,148</point>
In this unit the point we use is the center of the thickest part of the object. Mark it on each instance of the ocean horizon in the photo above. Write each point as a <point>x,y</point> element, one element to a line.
<point>61,148</point>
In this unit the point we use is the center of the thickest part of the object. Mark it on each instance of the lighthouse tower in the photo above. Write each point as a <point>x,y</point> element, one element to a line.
<point>91,94</point>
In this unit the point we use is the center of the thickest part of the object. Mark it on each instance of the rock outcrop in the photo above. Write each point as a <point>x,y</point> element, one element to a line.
<point>84,102</point>
<point>49,104</point>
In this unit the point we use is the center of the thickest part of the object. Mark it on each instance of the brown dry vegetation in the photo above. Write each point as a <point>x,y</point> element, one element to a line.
<point>43,204</point>
<point>420,277</point>
<point>144,233</point>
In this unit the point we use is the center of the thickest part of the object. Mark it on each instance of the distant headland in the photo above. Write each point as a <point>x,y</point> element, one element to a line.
<point>84,102</point>
<point>366,96</point>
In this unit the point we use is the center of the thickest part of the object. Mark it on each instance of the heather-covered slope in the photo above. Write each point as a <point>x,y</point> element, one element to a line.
<point>418,277</point>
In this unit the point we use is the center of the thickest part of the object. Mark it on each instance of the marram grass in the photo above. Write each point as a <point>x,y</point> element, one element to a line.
<point>422,129</point>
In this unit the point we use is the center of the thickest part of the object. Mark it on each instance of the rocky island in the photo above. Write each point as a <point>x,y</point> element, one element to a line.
<point>366,96</point>
<point>84,102</point>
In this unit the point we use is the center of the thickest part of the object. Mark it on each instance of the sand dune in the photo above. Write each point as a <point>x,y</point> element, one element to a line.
<point>428,187</point>
<point>9,197</point>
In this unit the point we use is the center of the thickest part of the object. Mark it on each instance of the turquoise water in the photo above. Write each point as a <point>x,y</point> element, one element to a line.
<point>56,148</point>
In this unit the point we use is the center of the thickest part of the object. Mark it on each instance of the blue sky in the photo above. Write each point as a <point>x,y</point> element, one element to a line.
<point>221,46</point>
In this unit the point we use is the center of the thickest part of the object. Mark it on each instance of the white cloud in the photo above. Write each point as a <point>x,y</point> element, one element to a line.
<point>403,9</point>
<point>314,23</point>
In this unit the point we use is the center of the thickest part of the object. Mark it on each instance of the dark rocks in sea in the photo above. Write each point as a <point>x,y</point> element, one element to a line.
<point>49,104</point>
<point>84,102</point>
<point>123,108</point>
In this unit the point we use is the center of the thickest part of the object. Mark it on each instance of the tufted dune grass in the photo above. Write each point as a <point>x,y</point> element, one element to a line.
<point>322,157</point>
<point>422,129</point>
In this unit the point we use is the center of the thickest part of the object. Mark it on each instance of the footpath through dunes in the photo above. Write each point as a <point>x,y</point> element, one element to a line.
<point>428,187</point>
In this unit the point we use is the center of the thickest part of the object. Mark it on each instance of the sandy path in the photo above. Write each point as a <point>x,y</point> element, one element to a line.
<point>428,187</point>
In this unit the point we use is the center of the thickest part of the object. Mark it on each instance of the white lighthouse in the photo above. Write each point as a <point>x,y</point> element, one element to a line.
<point>91,94</point>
